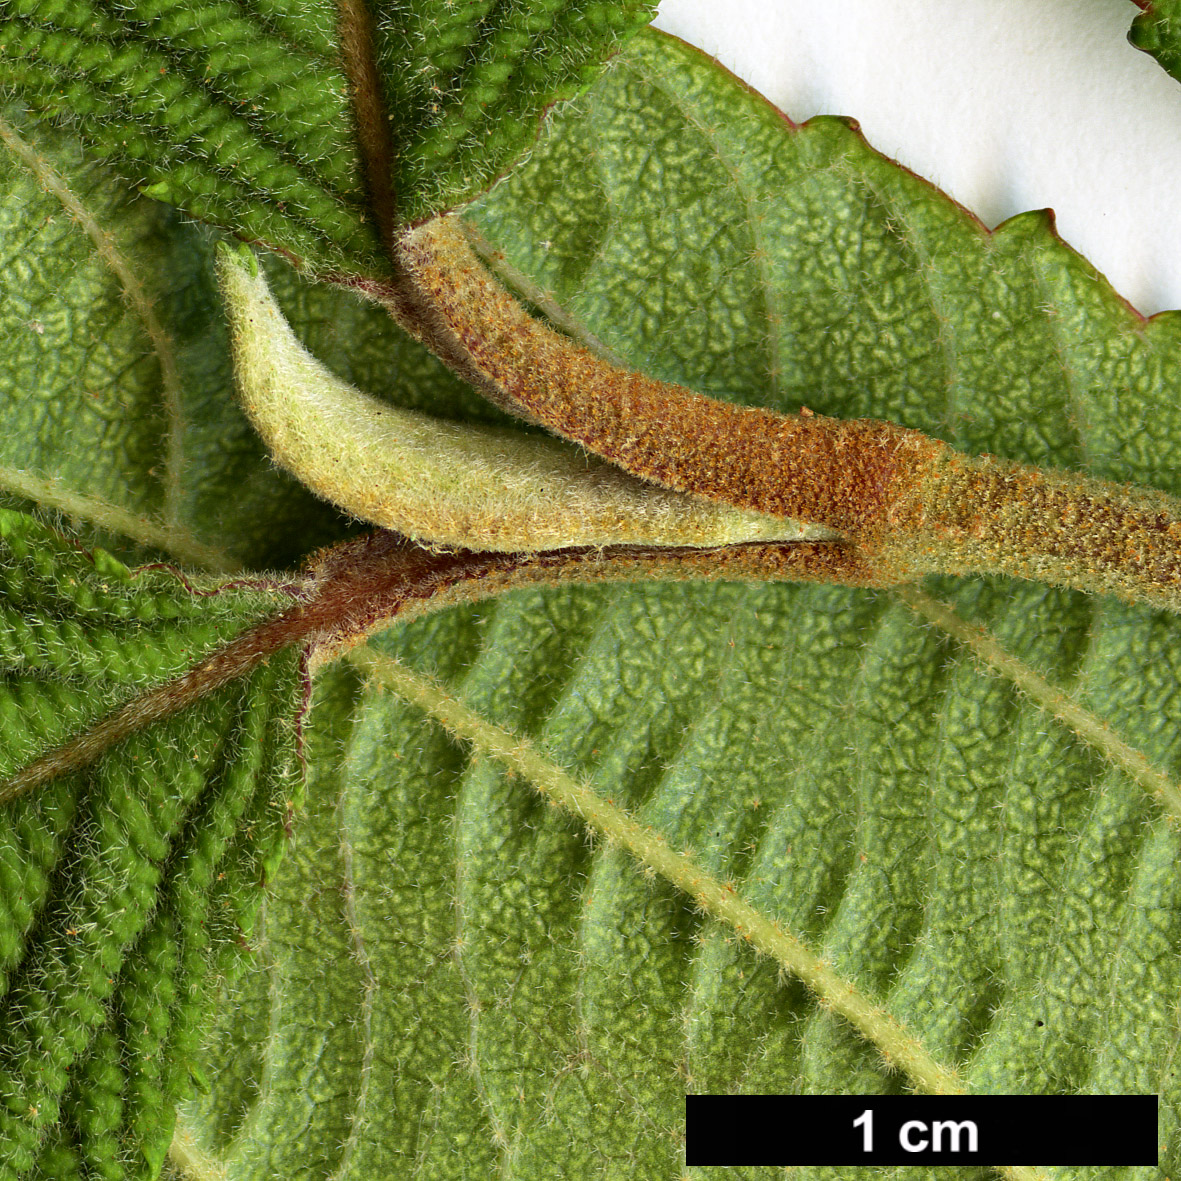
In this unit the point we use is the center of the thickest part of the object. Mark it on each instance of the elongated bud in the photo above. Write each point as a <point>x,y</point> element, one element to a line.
<point>444,483</point>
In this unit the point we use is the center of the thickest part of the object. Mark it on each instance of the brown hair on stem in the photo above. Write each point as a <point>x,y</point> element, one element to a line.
<point>358,587</point>
<point>910,504</point>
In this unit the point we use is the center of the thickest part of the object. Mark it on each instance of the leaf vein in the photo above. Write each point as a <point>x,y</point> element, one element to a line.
<point>1090,728</point>
<point>715,898</point>
<point>51,492</point>
<point>364,960</point>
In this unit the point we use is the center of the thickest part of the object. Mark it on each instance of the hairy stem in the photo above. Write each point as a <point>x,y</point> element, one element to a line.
<point>361,586</point>
<point>911,504</point>
<point>448,484</point>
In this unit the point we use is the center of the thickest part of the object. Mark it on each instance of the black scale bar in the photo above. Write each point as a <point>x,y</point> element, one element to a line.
<point>921,1129</point>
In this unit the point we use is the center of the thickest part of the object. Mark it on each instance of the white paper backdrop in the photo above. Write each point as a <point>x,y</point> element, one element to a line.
<point>1007,105</point>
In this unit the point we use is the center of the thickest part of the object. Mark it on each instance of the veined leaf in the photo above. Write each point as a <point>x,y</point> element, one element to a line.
<point>134,870</point>
<point>513,998</point>
<point>116,391</point>
<point>833,278</point>
<point>240,116</point>
<point>465,83</point>
<point>274,123</point>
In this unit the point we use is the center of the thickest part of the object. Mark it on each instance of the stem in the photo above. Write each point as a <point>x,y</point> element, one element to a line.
<point>911,504</point>
<point>364,586</point>
<point>450,484</point>
<point>361,586</point>
<point>845,475</point>
<point>985,515</point>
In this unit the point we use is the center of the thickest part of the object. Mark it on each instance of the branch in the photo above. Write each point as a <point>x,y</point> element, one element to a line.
<point>911,504</point>
<point>360,587</point>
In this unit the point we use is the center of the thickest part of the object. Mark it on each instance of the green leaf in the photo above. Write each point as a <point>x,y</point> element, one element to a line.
<point>1157,30</point>
<point>832,279</point>
<point>116,391</point>
<point>243,115</point>
<point>134,871</point>
<point>466,83</point>
<point>507,996</point>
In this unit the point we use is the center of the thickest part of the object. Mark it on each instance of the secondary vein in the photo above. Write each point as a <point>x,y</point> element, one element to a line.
<point>716,898</point>
<point>53,493</point>
<point>1089,727</point>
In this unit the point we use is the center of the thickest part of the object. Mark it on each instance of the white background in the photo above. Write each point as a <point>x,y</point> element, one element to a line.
<point>1007,105</point>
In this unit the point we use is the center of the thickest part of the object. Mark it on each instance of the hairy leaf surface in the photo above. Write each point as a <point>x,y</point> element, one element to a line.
<point>116,392</point>
<point>505,995</point>
<point>244,114</point>
<point>1157,30</point>
<point>126,881</point>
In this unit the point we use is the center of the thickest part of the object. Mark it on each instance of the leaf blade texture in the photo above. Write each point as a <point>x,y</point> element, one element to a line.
<point>244,117</point>
<point>530,1004</point>
<point>116,387</point>
<point>465,84</point>
<point>127,881</point>
<point>1157,31</point>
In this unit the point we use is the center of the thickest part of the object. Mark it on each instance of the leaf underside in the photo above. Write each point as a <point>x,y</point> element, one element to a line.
<point>124,883</point>
<point>114,402</point>
<point>506,996</point>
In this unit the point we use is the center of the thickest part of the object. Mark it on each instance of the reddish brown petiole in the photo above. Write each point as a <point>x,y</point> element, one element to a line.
<point>358,587</point>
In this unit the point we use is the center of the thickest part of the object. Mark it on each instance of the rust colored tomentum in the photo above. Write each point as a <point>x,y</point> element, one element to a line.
<point>908,504</point>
